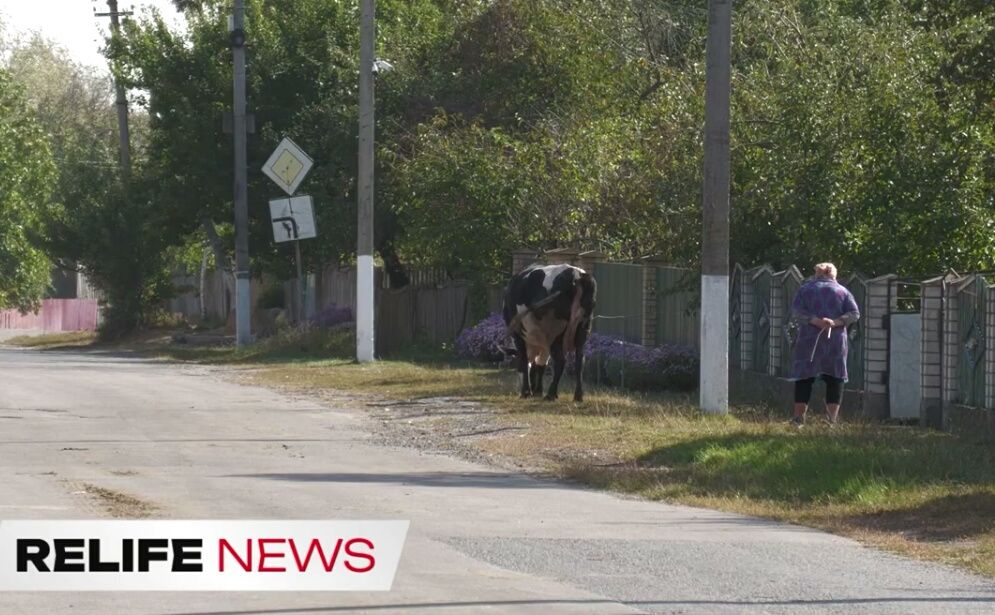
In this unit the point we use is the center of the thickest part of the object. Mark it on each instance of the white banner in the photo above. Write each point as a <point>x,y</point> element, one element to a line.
<point>169,555</point>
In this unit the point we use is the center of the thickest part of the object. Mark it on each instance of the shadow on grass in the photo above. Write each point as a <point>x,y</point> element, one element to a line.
<point>941,519</point>
<point>865,466</point>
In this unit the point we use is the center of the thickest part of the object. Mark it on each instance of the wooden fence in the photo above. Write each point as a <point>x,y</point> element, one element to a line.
<point>432,311</point>
<point>55,315</point>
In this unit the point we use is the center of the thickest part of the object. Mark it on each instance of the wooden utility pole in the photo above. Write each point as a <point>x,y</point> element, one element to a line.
<point>714,378</point>
<point>121,101</point>
<point>365,293</point>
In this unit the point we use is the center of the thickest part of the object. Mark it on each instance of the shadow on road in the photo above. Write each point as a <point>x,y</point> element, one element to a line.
<point>430,479</point>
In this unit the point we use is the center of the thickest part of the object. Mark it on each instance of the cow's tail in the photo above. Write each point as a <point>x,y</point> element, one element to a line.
<point>516,323</point>
<point>578,313</point>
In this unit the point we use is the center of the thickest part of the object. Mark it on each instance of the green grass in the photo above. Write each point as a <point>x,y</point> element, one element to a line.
<point>913,491</point>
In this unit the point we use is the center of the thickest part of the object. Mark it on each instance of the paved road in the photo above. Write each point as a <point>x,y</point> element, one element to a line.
<point>183,440</point>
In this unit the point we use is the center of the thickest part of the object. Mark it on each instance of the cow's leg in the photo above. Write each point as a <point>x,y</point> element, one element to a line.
<point>559,362</point>
<point>579,363</point>
<point>538,372</point>
<point>523,364</point>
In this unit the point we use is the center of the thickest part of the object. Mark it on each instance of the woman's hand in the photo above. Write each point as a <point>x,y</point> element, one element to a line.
<point>822,323</point>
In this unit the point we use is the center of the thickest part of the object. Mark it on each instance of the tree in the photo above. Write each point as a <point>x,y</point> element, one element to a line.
<point>117,234</point>
<point>26,171</point>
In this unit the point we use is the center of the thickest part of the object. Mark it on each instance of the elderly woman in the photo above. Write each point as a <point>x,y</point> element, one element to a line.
<point>822,309</point>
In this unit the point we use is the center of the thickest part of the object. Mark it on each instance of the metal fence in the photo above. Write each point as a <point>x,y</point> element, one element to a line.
<point>678,306</point>
<point>620,300</point>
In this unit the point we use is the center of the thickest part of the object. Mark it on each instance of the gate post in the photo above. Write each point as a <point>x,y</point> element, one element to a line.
<point>587,260</point>
<point>990,352</point>
<point>746,315</point>
<point>931,312</point>
<point>879,304</point>
<point>648,334</point>
<point>561,256</point>
<point>522,258</point>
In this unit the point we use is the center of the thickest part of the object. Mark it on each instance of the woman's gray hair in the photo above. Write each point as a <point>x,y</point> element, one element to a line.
<point>827,270</point>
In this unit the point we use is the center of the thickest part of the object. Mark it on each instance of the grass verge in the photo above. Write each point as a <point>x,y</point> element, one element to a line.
<point>917,492</point>
<point>53,340</point>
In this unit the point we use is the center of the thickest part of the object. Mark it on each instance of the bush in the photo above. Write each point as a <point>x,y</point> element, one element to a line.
<point>306,341</point>
<point>331,316</point>
<point>272,297</point>
<point>609,359</point>
<point>486,341</point>
<point>612,360</point>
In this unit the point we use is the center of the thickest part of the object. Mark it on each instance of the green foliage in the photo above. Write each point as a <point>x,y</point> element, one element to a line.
<point>26,172</point>
<point>863,132</point>
<point>847,150</point>
<point>116,232</point>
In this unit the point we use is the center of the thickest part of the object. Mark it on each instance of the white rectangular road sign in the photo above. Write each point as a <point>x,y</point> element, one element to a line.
<point>292,218</point>
<point>288,165</point>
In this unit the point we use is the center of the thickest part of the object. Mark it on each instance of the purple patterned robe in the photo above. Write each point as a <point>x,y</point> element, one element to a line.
<point>821,298</point>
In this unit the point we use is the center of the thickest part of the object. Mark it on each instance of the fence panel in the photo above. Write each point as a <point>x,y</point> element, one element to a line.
<point>856,356</point>
<point>972,297</point>
<point>441,313</point>
<point>55,315</point>
<point>678,306</point>
<point>620,300</point>
<point>395,320</point>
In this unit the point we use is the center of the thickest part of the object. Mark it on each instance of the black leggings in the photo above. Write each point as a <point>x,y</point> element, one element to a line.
<point>834,389</point>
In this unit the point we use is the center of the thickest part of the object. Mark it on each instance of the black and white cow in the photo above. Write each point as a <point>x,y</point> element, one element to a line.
<point>549,311</point>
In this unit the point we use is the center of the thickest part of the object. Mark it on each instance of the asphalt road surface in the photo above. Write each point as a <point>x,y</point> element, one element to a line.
<point>184,442</point>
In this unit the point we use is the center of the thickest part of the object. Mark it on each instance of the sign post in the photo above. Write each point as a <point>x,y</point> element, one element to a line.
<point>293,218</point>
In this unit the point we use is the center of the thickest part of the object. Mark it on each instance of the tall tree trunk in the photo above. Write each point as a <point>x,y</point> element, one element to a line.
<point>393,266</point>
<point>202,284</point>
<point>222,261</point>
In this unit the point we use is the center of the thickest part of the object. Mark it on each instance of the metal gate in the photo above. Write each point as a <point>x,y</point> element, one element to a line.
<point>761,321</point>
<point>735,317</point>
<point>789,330</point>
<point>972,296</point>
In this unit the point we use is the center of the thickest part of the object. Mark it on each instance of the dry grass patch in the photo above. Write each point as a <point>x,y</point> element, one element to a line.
<point>54,340</point>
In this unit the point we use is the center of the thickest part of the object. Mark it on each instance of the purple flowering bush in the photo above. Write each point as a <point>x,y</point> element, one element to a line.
<point>485,341</point>
<point>608,359</point>
<point>612,360</point>
<point>331,316</point>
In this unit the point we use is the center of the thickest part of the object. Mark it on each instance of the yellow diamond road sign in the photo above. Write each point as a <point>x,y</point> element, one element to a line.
<point>288,165</point>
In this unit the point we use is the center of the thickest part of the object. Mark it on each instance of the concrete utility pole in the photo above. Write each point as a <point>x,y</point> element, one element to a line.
<point>365,326</point>
<point>120,100</point>
<point>243,332</point>
<point>714,379</point>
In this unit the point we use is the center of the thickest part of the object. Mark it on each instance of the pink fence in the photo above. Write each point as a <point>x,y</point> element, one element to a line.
<point>55,315</point>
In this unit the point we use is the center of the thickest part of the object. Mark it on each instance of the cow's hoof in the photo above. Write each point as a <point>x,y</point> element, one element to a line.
<point>525,395</point>
<point>551,397</point>
<point>578,398</point>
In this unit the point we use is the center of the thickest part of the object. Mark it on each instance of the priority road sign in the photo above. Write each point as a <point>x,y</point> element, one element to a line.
<point>288,165</point>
